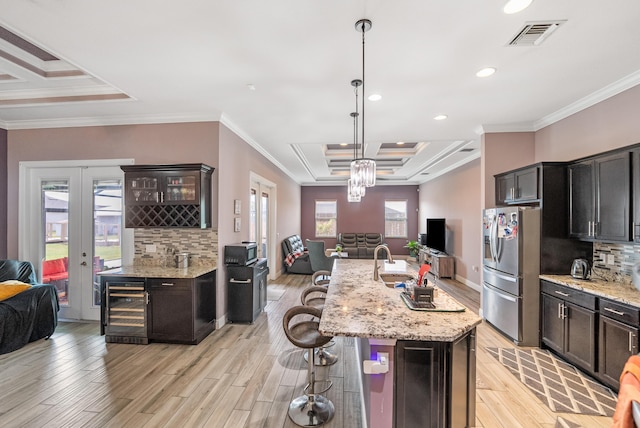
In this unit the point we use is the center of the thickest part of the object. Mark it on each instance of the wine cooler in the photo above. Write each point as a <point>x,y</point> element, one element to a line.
<point>124,314</point>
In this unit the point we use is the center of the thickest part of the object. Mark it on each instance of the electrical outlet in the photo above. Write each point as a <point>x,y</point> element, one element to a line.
<point>611,259</point>
<point>151,248</point>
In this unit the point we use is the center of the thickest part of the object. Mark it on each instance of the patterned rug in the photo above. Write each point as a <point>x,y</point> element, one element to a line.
<point>561,386</point>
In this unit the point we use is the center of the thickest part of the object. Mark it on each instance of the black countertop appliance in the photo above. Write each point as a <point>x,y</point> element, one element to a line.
<point>246,290</point>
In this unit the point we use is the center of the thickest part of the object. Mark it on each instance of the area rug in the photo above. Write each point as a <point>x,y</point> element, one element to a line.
<point>559,385</point>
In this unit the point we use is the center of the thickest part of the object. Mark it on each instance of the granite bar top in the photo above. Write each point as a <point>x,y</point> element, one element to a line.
<point>618,291</point>
<point>356,305</point>
<point>159,271</point>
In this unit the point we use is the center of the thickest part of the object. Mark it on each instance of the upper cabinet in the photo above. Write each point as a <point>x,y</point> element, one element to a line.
<point>600,197</point>
<point>635,175</point>
<point>518,187</point>
<point>168,195</point>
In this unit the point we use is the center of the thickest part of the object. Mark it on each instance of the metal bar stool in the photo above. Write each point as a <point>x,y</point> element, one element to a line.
<point>315,296</point>
<point>321,277</point>
<point>310,409</point>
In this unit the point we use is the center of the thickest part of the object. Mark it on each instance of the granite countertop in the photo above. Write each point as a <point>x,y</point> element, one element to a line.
<point>356,305</point>
<point>160,271</point>
<point>618,291</point>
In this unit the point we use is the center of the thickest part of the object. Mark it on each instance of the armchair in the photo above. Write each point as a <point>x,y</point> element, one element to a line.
<point>319,261</point>
<point>296,259</point>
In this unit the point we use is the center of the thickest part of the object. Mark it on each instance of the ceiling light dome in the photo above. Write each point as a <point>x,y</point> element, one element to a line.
<point>515,6</point>
<point>486,72</point>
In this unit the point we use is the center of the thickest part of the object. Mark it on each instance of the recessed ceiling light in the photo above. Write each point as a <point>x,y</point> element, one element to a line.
<point>251,87</point>
<point>515,6</point>
<point>375,97</point>
<point>400,143</point>
<point>344,144</point>
<point>440,117</point>
<point>486,72</point>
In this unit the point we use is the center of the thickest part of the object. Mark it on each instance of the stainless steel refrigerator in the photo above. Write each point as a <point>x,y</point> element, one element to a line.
<point>511,266</point>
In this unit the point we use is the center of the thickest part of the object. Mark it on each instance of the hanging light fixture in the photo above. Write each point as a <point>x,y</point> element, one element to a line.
<point>363,170</point>
<point>355,191</point>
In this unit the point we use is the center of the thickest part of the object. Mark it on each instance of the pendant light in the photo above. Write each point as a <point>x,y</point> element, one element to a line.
<point>363,170</point>
<point>354,190</point>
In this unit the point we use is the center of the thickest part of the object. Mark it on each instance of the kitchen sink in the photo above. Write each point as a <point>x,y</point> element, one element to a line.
<point>390,278</point>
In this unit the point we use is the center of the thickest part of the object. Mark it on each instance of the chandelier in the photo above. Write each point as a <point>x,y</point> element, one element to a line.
<point>355,191</point>
<point>363,170</point>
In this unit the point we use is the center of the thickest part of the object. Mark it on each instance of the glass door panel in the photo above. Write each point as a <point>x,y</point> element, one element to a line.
<point>181,188</point>
<point>55,216</point>
<point>264,224</point>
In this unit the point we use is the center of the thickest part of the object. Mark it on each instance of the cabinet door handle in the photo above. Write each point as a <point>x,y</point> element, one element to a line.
<point>240,281</point>
<point>613,311</point>
<point>169,284</point>
<point>564,311</point>
<point>561,293</point>
<point>559,310</point>
<point>631,342</point>
<point>146,297</point>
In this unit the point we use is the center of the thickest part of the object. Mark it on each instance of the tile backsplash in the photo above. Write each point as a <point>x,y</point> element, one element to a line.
<point>201,244</point>
<point>624,257</point>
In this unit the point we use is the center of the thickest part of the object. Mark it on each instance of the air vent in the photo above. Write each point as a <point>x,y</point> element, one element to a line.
<point>534,33</point>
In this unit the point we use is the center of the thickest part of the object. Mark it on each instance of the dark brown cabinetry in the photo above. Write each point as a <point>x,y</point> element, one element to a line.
<point>181,310</point>
<point>168,195</point>
<point>435,383</point>
<point>599,198</point>
<point>635,179</point>
<point>517,187</point>
<point>617,339</point>
<point>176,310</point>
<point>569,324</point>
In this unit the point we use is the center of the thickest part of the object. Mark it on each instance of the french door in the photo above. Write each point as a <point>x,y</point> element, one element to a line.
<point>262,218</point>
<point>72,230</point>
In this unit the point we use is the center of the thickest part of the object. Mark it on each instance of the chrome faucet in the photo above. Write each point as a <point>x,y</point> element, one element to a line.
<point>375,260</point>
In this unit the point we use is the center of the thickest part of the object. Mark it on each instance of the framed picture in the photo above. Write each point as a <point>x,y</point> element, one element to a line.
<point>236,224</point>
<point>236,206</point>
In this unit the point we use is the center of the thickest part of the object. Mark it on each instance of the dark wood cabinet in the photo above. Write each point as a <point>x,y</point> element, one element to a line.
<point>168,195</point>
<point>181,310</point>
<point>519,186</point>
<point>435,383</point>
<point>600,198</point>
<point>569,324</point>
<point>635,179</point>
<point>617,339</point>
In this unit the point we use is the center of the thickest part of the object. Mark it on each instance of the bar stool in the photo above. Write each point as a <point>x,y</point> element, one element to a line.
<point>321,277</point>
<point>310,409</point>
<point>315,296</point>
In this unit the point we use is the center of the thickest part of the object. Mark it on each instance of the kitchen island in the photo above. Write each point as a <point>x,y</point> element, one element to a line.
<point>142,303</point>
<point>430,355</point>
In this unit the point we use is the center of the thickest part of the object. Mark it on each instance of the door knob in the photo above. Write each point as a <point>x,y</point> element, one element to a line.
<point>83,264</point>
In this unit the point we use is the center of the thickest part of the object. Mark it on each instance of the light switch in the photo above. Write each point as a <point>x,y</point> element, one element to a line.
<point>611,259</point>
<point>151,248</point>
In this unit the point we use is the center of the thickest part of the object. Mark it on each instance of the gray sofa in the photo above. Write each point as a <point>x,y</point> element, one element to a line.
<point>361,245</point>
<point>295,257</point>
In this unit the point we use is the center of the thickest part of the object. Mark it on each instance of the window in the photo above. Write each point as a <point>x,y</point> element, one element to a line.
<point>395,219</point>
<point>326,219</point>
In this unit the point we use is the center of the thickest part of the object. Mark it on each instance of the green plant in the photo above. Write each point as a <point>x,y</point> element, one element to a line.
<point>414,248</point>
<point>338,248</point>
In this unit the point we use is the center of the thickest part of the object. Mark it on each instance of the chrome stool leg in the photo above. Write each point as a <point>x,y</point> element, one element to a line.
<point>311,409</point>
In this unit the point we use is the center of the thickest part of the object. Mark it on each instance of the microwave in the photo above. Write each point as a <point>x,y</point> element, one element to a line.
<point>241,254</point>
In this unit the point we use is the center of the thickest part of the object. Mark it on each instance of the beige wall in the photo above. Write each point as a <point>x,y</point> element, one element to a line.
<point>238,161</point>
<point>503,152</point>
<point>608,125</point>
<point>147,144</point>
<point>455,197</point>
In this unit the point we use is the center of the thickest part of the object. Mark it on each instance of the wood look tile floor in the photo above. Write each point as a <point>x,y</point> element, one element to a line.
<point>239,376</point>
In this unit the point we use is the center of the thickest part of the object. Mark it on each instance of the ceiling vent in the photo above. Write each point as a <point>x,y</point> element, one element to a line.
<point>534,33</point>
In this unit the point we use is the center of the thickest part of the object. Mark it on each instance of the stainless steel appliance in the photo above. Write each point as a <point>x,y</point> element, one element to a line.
<point>511,266</point>
<point>241,254</point>
<point>124,314</point>
<point>247,291</point>
<point>580,269</point>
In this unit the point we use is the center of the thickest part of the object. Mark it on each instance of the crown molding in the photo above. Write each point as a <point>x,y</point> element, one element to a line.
<point>600,95</point>
<point>505,127</point>
<point>226,121</point>
<point>107,121</point>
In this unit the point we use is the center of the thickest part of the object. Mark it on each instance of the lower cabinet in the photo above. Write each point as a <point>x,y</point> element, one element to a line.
<point>435,383</point>
<point>569,324</point>
<point>618,340</point>
<point>181,310</point>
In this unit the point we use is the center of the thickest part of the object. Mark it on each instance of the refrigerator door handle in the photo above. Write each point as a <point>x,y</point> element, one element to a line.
<point>501,276</point>
<point>493,234</point>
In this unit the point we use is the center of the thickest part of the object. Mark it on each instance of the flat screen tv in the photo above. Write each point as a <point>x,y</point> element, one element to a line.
<point>436,234</point>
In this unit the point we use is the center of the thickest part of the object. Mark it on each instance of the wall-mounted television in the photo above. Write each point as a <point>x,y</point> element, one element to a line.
<point>436,234</point>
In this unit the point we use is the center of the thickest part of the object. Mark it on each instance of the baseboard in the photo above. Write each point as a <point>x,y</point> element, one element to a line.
<point>468,283</point>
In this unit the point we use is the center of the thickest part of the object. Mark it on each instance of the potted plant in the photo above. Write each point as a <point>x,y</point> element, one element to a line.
<point>414,248</point>
<point>338,249</point>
